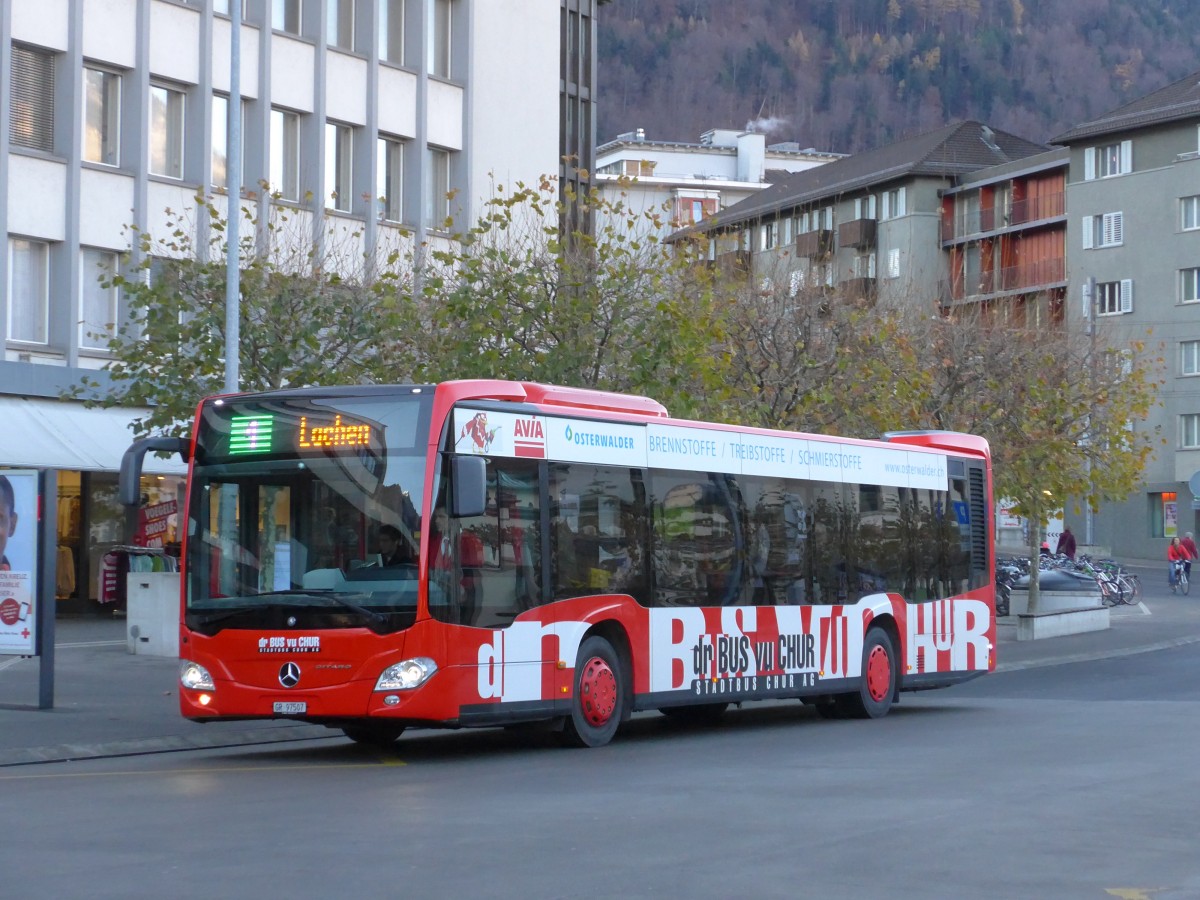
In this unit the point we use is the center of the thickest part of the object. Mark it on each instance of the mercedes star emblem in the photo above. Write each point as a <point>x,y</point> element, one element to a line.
<point>289,674</point>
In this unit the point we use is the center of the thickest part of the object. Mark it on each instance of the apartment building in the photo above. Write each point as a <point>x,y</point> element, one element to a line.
<point>687,182</point>
<point>1134,249</point>
<point>368,122</point>
<point>871,224</point>
<point>1004,236</point>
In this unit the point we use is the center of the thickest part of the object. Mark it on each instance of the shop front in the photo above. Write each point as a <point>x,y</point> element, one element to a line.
<point>95,547</point>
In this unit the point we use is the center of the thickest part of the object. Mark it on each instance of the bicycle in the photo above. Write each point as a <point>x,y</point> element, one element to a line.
<point>1179,581</point>
<point>1129,588</point>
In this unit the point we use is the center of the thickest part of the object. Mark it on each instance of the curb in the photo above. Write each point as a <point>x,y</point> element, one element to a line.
<point>173,744</point>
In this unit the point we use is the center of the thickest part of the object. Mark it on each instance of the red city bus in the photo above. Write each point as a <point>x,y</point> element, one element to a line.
<point>482,553</point>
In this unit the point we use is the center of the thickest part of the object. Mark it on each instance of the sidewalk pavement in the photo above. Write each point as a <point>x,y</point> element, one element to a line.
<point>108,702</point>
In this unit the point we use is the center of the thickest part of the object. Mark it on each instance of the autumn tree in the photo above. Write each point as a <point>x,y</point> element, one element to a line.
<point>301,322</point>
<point>614,309</point>
<point>507,297</point>
<point>1063,411</point>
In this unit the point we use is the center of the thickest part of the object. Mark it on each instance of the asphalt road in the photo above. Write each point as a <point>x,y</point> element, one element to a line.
<point>1073,781</point>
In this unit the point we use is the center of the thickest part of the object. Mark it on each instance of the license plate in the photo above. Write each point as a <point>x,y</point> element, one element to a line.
<point>290,707</point>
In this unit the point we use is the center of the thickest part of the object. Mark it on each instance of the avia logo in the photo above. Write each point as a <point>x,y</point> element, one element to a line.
<point>289,674</point>
<point>528,428</point>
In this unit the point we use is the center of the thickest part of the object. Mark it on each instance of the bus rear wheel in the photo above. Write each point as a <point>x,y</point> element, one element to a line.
<point>598,702</point>
<point>878,683</point>
<point>374,734</point>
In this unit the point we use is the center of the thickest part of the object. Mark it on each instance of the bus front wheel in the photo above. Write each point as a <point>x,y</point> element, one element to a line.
<point>598,703</point>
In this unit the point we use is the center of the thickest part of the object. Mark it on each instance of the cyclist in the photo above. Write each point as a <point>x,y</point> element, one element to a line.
<point>1189,547</point>
<point>1175,552</point>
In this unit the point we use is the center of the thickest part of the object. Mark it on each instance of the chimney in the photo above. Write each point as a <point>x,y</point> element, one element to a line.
<point>751,157</point>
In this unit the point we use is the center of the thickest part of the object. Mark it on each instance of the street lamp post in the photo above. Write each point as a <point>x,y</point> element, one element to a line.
<point>234,190</point>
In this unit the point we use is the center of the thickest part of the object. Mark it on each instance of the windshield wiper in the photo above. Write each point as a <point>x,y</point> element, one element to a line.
<point>376,617</point>
<point>326,594</point>
<point>371,614</point>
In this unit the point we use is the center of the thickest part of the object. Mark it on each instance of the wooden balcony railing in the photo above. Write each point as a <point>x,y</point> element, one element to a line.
<point>858,233</point>
<point>814,244</point>
<point>1027,277</point>
<point>1031,209</point>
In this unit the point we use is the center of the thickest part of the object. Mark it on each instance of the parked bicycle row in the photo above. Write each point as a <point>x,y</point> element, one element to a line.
<point>1059,572</point>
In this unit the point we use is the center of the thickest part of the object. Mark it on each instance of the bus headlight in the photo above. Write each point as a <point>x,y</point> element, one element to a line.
<point>406,675</point>
<point>195,677</point>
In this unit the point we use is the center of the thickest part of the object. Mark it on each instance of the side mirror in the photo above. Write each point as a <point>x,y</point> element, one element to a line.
<point>468,479</point>
<point>129,487</point>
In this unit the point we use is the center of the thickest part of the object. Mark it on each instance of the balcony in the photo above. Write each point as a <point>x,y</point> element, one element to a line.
<point>1023,212</point>
<point>858,233</point>
<point>1030,277</point>
<point>1035,209</point>
<point>859,289</point>
<point>814,244</point>
<point>732,262</point>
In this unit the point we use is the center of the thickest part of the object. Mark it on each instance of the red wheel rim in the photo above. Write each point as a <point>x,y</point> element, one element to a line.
<point>879,674</point>
<point>597,692</point>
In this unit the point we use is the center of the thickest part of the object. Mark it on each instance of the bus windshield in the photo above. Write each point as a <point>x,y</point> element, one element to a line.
<point>307,512</point>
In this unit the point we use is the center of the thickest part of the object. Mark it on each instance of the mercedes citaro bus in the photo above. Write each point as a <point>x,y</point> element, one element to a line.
<point>564,556</point>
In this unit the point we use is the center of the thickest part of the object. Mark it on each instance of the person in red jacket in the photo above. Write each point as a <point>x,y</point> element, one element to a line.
<point>1190,546</point>
<point>1066,543</point>
<point>1175,552</point>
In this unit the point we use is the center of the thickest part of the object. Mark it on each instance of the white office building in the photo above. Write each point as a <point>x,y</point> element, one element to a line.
<point>368,122</point>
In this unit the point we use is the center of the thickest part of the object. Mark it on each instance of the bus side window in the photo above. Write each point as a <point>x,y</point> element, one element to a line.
<point>494,572</point>
<point>698,549</point>
<point>597,531</point>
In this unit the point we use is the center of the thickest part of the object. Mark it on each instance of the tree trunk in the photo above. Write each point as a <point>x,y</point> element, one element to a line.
<point>1035,559</point>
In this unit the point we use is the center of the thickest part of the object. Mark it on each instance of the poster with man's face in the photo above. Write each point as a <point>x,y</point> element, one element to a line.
<point>18,561</point>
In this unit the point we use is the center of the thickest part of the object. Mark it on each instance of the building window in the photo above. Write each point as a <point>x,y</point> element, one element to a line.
<point>339,150</point>
<point>31,114</point>
<point>1189,285</point>
<point>1114,297</point>
<point>222,6</point>
<point>1189,430</point>
<point>864,266</point>
<point>101,116</point>
<point>894,263</point>
<point>285,154</point>
<point>693,210</point>
<point>894,203</point>
<point>285,16</point>
<point>28,290</point>
<point>437,189</point>
<point>221,139</point>
<point>864,207</point>
<point>339,23</point>
<point>1107,161</point>
<point>389,179</point>
<point>391,31</point>
<point>1164,514</point>
<point>796,282</point>
<point>1190,207</point>
<point>439,38</point>
<point>98,298</point>
<point>1107,230</point>
<point>1189,357</point>
<point>768,235</point>
<point>166,131</point>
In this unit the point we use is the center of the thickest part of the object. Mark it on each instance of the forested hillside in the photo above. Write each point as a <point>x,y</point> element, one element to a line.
<point>846,75</point>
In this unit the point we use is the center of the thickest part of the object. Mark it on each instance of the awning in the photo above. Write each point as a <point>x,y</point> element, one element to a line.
<point>36,433</point>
